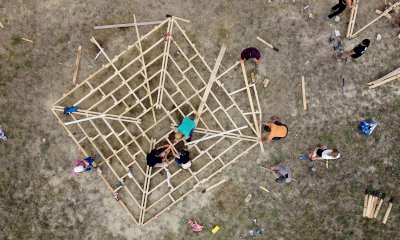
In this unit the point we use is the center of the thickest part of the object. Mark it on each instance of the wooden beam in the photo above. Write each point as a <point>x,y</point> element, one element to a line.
<point>210,83</point>
<point>78,60</point>
<point>27,40</point>
<point>303,90</point>
<point>215,135</point>
<point>124,25</point>
<point>84,120</point>
<point>385,81</point>
<point>214,186</point>
<point>250,97</point>
<point>268,44</point>
<point>379,12</point>
<point>352,21</point>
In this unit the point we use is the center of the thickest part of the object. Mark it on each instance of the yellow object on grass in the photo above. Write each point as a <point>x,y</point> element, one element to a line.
<point>215,229</point>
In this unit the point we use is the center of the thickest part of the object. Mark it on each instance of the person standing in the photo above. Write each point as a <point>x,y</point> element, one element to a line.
<point>357,50</point>
<point>250,53</point>
<point>339,8</point>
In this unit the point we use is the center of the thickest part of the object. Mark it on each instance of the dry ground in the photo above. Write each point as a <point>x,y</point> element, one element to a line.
<point>41,200</point>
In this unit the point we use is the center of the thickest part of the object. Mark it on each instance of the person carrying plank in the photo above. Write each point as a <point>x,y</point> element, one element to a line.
<point>339,8</point>
<point>276,129</point>
<point>250,53</point>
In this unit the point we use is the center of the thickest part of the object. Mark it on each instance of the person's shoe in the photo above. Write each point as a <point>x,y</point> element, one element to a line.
<point>327,19</point>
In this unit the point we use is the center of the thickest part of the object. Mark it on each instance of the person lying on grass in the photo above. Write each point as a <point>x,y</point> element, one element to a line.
<point>323,153</point>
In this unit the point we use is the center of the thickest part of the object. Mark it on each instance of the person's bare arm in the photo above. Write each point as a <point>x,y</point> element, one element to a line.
<point>349,53</point>
<point>349,3</point>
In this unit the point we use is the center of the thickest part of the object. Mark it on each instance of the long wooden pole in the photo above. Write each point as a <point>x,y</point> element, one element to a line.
<point>210,83</point>
<point>124,25</point>
<point>249,95</point>
<point>303,90</point>
<point>385,81</point>
<point>215,135</point>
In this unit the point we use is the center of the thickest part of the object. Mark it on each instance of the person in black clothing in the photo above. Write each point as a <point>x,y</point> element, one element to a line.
<point>182,158</point>
<point>157,157</point>
<point>358,50</point>
<point>250,53</point>
<point>339,8</point>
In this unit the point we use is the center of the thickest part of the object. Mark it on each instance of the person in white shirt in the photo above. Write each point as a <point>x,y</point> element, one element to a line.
<point>322,153</point>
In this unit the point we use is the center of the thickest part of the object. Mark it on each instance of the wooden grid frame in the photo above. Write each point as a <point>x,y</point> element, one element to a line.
<point>115,119</point>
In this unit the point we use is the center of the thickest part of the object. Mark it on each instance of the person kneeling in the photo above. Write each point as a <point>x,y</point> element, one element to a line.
<point>276,129</point>
<point>185,129</point>
<point>157,157</point>
<point>283,172</point>
<point>182,158</point>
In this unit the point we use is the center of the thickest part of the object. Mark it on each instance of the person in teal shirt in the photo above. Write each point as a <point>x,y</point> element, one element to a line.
<point>185,129</point>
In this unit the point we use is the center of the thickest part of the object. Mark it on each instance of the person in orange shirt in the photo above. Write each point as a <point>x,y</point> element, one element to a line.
<point>276,129</point>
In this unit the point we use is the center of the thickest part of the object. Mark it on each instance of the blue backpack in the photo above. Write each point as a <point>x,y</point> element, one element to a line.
<point>70,110</point>
<point>367,127</point>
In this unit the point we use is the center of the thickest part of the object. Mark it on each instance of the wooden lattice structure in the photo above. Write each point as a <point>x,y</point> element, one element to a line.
<point>133,104</point>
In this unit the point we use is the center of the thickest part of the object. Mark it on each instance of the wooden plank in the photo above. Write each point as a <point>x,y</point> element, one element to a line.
<point>27,40</point>
<point>268,44</point>
<point>266,82</point>
<point>352,21</point>
<point>385,81</point>
<point>210,83</point>
<point>124,25</point>
<point>78,60</point>
<point>303,89</point>
<point>250,97</point>
<point>379,12</point>
<point>392,73</point>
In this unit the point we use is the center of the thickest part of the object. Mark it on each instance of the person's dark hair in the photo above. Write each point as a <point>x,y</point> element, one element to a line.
<point>366,42</point>
<point>267,129</point>
<point>280,179</point>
